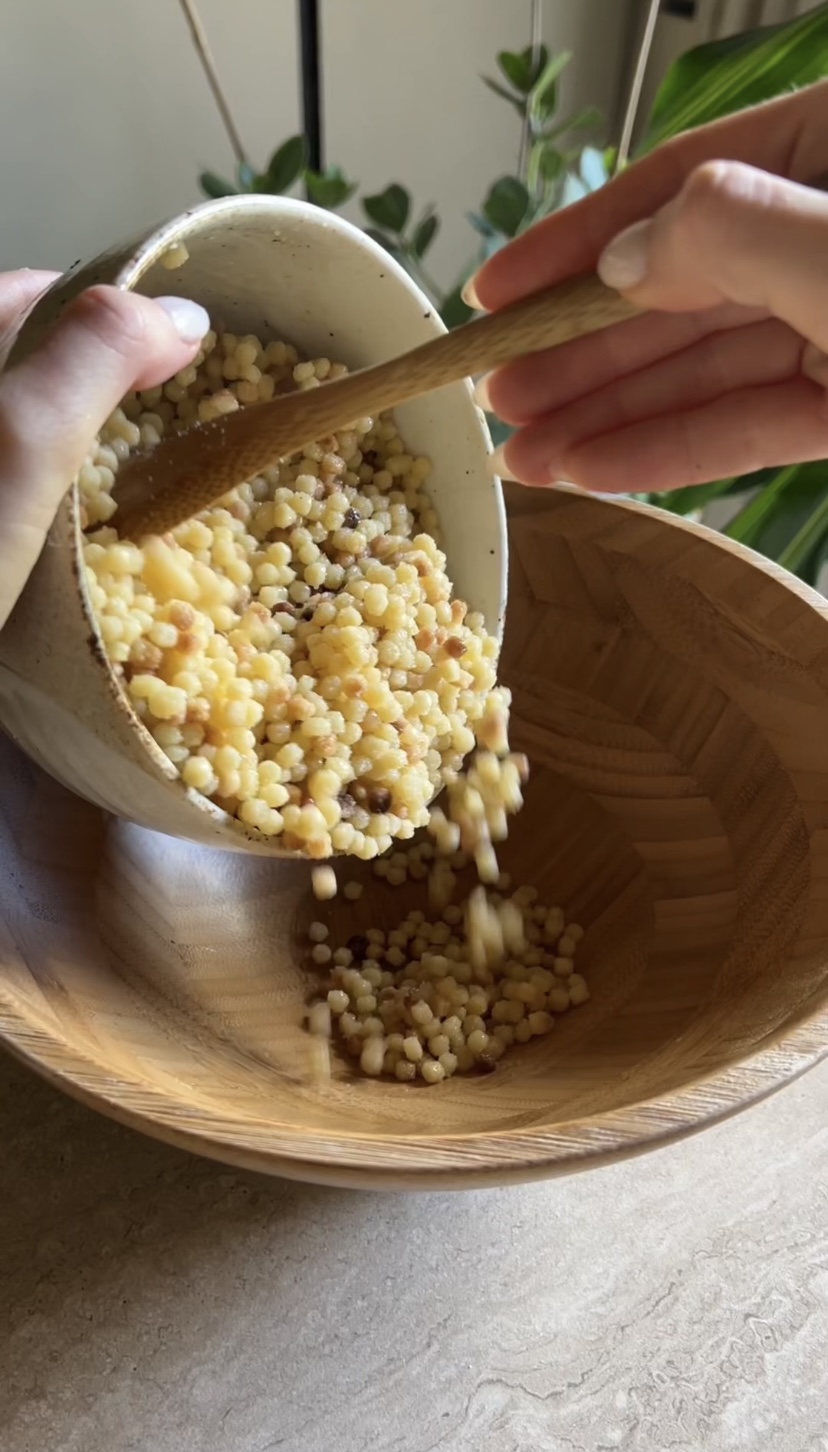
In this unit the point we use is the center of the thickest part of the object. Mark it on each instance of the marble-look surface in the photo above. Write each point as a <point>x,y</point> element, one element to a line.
<point>152,1302</point>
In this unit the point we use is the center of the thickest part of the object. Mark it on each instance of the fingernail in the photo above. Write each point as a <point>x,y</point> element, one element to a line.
<point>469,295</point>
<point>190,320</point>
<point>624,263</point>
<point>815,365</point>
<point>481,394</point>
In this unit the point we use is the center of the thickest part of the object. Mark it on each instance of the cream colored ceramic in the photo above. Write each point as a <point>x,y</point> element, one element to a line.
<point>281,269</point>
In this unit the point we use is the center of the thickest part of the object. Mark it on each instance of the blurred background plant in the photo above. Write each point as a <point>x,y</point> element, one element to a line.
<point>782,513</point>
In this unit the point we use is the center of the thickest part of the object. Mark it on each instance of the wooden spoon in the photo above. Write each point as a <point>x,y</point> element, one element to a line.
<point>187,472</point>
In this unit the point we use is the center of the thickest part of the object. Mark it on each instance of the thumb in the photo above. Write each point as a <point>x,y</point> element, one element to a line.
<point>54,402</point>
<point>734,234</point>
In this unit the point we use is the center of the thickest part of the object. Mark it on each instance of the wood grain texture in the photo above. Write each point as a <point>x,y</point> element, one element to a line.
<point>188,472</point>
<point>672,693</point>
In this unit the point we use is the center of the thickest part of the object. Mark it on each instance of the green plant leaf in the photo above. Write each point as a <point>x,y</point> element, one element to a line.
<point>247,176</point>
<point>287,164</point>
<point>329,188</point>
<point>390,208</point>
<point>808,542</point>
<point>543,97</point>
<point>506,205</point>
<point>696,496</point>
<point>782,507</point>
<point>453,310</point>
<point>215,186</point>
<point>424,234</point>
<point>760,511</point>
<point>551,163</point>
<point>517,69</point>
<point>811,567</point>
<point>537,63</point>
<point>384,241</point>
<point>517,101</point>
<point>724,76</point>
<point>499,431</point>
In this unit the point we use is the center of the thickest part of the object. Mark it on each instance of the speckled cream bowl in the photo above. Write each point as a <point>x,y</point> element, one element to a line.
<point>281,269</point>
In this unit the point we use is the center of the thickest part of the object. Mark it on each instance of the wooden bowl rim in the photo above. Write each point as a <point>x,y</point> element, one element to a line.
<point>514,1155</point>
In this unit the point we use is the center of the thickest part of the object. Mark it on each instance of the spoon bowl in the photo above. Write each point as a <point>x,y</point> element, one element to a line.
<point>281,269</point>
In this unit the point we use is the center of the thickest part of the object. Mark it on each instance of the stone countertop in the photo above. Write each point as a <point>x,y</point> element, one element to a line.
<point>154,1302</point>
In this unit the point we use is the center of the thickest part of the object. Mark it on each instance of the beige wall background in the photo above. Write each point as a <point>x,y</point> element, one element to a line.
<point>106,120</point>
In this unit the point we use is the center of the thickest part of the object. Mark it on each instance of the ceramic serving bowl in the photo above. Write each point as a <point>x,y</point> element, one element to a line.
<point>671,691</point>
<point>278,268</point>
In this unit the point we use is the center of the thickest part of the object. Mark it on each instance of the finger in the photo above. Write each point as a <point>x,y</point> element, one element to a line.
<point>751,357</point>
<point>732,234</point>
<point>786,136</point>
<point>19,291</point>
<point>748,429</point>
<point>548,381</point>
<point>53,403</point>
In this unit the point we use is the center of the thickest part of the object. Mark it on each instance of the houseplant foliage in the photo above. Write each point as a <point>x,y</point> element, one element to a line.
<point>783,513</point>
<point>555,168</point>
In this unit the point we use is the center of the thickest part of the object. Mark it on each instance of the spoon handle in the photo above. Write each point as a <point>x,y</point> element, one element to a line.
<point>188,472</point>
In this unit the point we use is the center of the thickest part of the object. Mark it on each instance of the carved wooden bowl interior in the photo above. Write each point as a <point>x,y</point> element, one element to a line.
<point>670,691</point>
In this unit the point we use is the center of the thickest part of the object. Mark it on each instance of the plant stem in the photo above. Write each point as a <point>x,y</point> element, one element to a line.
<point>525,130</point>
<point>636,85</point>
<point>208,65</point>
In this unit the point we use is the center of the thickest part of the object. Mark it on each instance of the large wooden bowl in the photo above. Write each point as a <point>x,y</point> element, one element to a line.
<point>671,693</point>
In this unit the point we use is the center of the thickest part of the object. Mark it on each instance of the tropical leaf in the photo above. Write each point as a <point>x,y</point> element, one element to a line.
<point>804,554</point>
<point>724,76</point>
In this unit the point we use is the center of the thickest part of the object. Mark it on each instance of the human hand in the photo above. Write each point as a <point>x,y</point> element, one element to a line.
<point>728,373</point>
<point>54,402</point>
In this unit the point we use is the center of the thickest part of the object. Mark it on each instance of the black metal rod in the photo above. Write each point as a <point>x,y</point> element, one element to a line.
<point>311,80</point>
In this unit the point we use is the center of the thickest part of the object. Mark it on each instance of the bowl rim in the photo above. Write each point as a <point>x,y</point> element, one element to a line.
<point>422,1161</point>
<point>142,256</point>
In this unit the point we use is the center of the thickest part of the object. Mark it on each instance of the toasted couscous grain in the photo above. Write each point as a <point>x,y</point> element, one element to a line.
<point>297,652</point>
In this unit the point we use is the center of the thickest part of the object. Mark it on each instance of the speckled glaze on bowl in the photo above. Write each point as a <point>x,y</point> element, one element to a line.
<point>278,268</point>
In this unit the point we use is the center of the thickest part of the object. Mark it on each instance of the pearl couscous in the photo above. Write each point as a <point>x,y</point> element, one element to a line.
<point>297,653</point>
<point>451,992</point>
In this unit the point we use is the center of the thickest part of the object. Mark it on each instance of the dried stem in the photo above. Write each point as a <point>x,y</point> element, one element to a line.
<point>636,84</point>
<point>199,36</point>
<point>537,40</point>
